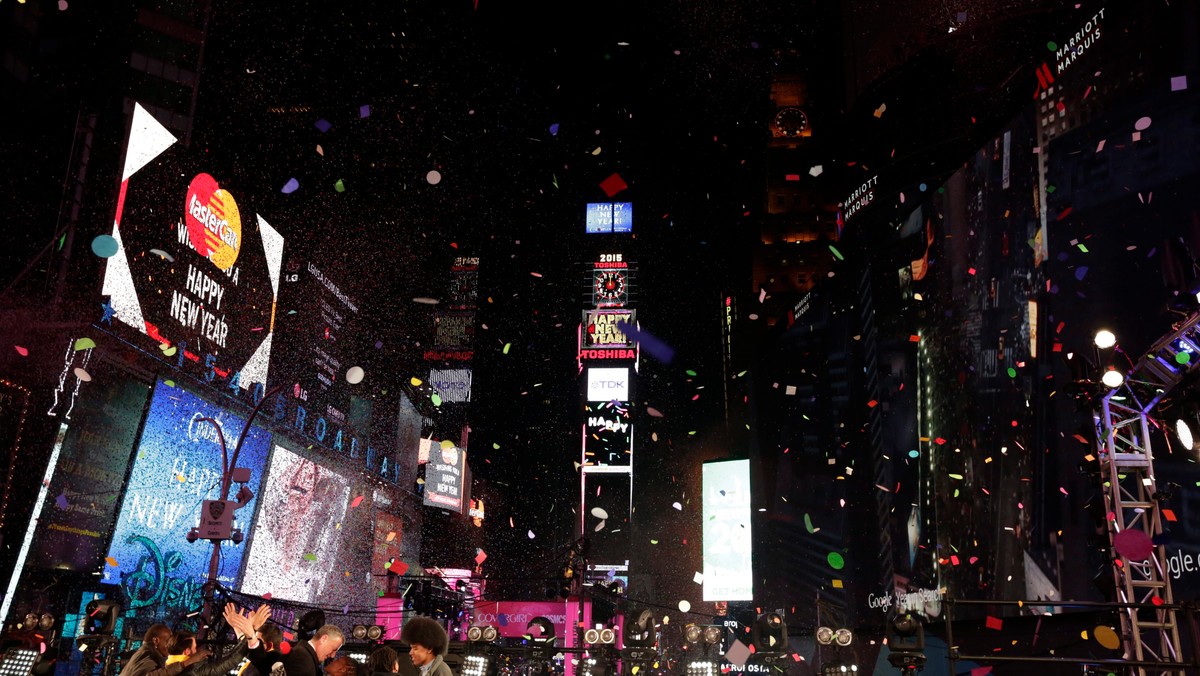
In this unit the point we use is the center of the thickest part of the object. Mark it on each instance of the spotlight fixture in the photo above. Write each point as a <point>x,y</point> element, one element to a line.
<point>374,632</point>
<point>481,632</point>
<point>1105,339</point>
<point>638,637</point>
<point>769,634</point>
<point>843,637</point>
<point>1112,378</point>
<point>31,621</point>
<point>693,633</point>
<point>906,643</point>
<point>359,632</point>
<point>608,636</point>
<point>46,622</point>
<point>824,635</point>
<point>602,635</point>
<point>475,665</point>
<point>101,617</point>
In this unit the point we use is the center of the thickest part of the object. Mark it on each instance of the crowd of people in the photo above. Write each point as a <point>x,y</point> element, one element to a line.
<point>261,651</point>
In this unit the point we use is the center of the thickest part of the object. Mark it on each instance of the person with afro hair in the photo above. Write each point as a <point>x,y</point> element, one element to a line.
<point>427,642</point>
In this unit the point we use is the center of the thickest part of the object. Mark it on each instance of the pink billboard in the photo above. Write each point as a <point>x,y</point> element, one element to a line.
<point>511,618</point>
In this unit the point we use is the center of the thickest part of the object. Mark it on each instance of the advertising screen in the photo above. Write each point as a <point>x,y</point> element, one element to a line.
<point>308,544</point>
<point>607,434</point>
<point>608,384</point>
<point>454,330</point>
<point>445,475</point>
<point>191,266</point>
<point>74,528</point>
<point>452,385</point>
<point>726,539</point>
<point>178,465</point>
<point>600,328</point>
<point>604,217</point>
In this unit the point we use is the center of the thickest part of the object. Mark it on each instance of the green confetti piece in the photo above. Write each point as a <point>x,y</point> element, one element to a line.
<point>1183,357</point>
<point>741,374</point>
<point>808,524</point>
<point>506,346</point>
<point>836,561</point>
<point>1052,46</point>
<point>654,542</point>
<point>956,492</point>
<point>495,445</point>
<point>956,476</point>
<point>339,186</point>
<point>310,557</point>
<point>690,372</point>
<point>60,242</point>
<point>84,344</point>
<point>1012,372</point>
<point>1050,188</point>
<point>436,399</point>
<point>169,383</point>
<point>836,254</point>
<point>1082,247</point>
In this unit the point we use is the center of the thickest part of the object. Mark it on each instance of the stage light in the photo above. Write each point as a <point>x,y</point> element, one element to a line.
<point>46,622</point>
<point>1105,339</point>
<point>693,633</point>
<point>591,636</point>
<point>18,662</point>
<point>101,617</point>
<point>481,632</point>
<point>608,636</point>
<point>1112,378</point>
<point>838,669</point>
<point>702,668</point>
<point>770,633</point>
<point>640,632</point>
<point>31,620</point>
<point>475,665</point>
<point>824,635</point>
<point>359,632</point>
<point>906,642</point>
<point>374,632</point>
<point>843,637</point>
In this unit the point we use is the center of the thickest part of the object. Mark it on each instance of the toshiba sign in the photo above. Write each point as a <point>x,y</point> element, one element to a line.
<point>608,384</point>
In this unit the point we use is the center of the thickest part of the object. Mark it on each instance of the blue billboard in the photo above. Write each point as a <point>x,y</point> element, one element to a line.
<point>609,217</point>
<point>178,465</point>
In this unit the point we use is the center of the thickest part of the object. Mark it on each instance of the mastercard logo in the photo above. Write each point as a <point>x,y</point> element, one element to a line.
<point>213,223</point>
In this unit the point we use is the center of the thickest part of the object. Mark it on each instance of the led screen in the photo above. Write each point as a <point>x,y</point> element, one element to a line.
<point>604,217</point>
<point>190,266</point>
<point>444,477</point>
<point>452,385</point>
<point>607,434</point>
<point>600,328</point>
<point>178,465</point>
<point>608,384</point>
<point>726,537</point>
<point>308,545</point>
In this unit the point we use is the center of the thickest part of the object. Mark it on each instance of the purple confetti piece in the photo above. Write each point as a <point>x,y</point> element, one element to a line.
<point>61,501</point>
<point>291,186</point>
<point>554,129</point>
<point>364,111</point>
<point>1081,272</point>
<point>653,346</point>
<point>1179,83</point>
<point>324,125</point>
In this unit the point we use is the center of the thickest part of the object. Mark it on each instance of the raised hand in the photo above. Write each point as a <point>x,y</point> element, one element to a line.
<point>260,616</point>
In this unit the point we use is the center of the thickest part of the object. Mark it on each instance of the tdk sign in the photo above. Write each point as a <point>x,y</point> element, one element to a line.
<point>608,384</point>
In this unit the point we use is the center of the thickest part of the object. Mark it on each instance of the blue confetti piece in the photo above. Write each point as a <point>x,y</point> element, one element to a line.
<point>923,187</point>
<point>61,501</point>
<point>324,125</point>
<point>1081,272</point>
<point>364,111</point>
<point>653,346</point>
<point>291,186</point>
<point>554,129</point>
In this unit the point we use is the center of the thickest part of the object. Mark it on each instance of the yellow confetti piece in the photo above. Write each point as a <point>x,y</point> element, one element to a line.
<point>506,347</point>
<point>447,444</point>
<point>181,478</point>
<point>416,382</point>
<point>837,584</point>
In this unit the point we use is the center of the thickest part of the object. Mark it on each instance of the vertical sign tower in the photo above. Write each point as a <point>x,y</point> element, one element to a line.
<point>608,365</point>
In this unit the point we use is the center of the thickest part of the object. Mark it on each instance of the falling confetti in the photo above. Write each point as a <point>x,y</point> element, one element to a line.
<point>433,177</point>
<point>290,187</point>
<point>355,375</point>
<point>836,561</point>
<point>684,606</point>
<point>105,246</point>
<point>83,375</point>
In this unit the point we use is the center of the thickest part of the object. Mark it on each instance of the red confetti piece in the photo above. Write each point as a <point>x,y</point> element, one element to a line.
<point>995,623</point>
<point>954,559</point>
<point>971,271</point>
<point>1156,600</point>
<point>914,338</point>
<point>1169,515</point>
<point>791,177</point>
<point>21,351</point>
<point>939,441</point>
<point>356,501</point>
<point>1065,212</point>
<point>981,671</point>
<point>872,404</point>
<point>613,185</point>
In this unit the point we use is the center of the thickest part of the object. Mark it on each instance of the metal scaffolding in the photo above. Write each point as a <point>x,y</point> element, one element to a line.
<point>1150,631</point>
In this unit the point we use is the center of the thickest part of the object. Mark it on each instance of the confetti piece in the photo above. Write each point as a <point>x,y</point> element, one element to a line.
<point>600,526</point>
<point>981,671</point>
<point>613,185</point>
<point>1106,637</point>
<point>354,375</point>
<point>995,623</point>
<point>507,346</point>
<point>599,513</point>
<point>677,506</point>
<point>653,346</point>
<point>21,351</point>
<point>83,375</point>
<point>1133,544</point>
<point>808,524</point>
<point>391,536</point>
<point>320,150</point>
<point>104,246</point>
<point>653,412</point>
<point>309,557</point>
<point>684,606</point>
<point>339,186</point>
<point>290,187</point>
<point>436,399</point>
<point>1142,124</point>
<point>881,110</point>
<point>364,111</point>
<point>61,501</point>
<point>110,561</point>
<point>1052,46</point>
<point>837,254</point>
<point>163,255</point>
<point>356,502</point>
<point>816,170</point>
<point>1179,83</point>
<point>169,383</point>
<point>323,125</point>
<point>836,561</point>
<point>1169,515</point>
<point>554,129</point>
<point>530,535</point>
<point>416,382</point>
<point>738,654</point>
<point>434,177</point>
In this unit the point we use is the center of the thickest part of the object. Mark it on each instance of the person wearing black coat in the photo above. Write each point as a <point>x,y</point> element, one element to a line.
<point>306,657</point>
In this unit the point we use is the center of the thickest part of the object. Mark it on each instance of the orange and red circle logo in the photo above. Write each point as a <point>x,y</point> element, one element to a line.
<point>213,223</point>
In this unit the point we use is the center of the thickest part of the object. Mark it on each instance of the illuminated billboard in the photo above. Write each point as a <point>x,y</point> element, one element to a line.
<point>608,384</point>
<point>726,536</point>
<point>453,330</point>
<point>189,268</point>
<point>307,545</point>
<point>605,217</point>
<point>452,385</point>
<point>607,434</point>
<point>600,328</point>
<point>178,465</point>
<point>445,477</point>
